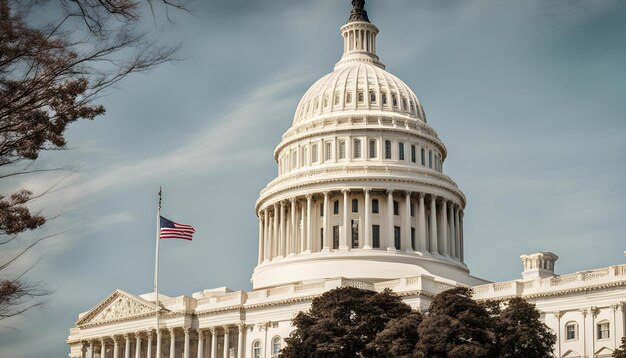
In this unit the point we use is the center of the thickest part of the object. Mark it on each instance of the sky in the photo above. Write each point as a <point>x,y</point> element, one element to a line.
<point>528,96</point>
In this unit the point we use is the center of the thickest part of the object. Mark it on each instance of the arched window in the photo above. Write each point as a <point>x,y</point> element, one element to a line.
<point>336,99</point>
<point>404,106</point>
<point>336,207</point>
<point>361,97</point>
<point>355,205</point>
<point>275,346</point>
<point>384,98</point>
<point>348,97</point>
<point>571,331</point>
<point>387,149</point>
<point>372,148</point>
<point>394,100</point>
<point>372,97</point>
<point>604,329</point>
<point>325,101</point>
<point>256,349</point>
<point>357,148</point>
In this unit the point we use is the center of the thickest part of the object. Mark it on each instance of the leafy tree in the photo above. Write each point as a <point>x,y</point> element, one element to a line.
<point>398,339</point>
<point>51,75</point>
<point>341,323</point>
<point>521,334</point>
<point>621,351</point>
<point>456,327</point>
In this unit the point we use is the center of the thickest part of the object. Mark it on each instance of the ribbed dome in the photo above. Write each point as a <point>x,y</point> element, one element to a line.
<point>358,86</point>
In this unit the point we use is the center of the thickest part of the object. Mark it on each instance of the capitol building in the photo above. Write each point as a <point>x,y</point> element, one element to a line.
<point>361,199</point>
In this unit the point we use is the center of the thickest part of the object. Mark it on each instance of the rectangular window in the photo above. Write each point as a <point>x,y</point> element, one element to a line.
<point>413,158</point>
<point>314,153</point>
<point>396,237</point>
<point>357,148</point>
<point>571,331</point>
<point>412,210</point>
<point>294,159</point>
<point>603,330</point>
<point>372,148</point>
<point>396,208</point>
<point>304,157</point>
<point>376,236</point>
<point>413,238</point>
<point>327,151</point>
<point>355,205</point>
<point>336,207</point>
<point>401,151</point>
<point>430,159</point>
<point>355,233</point>
<point>322,209</point>
<point>321,237</point>
<point>335,237</point>
<point>387,149</point>
<point>342,149</point>
<point>423,152</point>
<point>375,209</point>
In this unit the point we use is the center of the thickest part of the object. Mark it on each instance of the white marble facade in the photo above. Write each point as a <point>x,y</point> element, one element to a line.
<point>361,200</point>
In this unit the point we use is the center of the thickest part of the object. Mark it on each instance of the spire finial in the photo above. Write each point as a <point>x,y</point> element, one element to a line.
<point>358,13</point>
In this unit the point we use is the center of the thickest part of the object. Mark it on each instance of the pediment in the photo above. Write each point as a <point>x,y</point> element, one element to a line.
<point>604,352</point>
<point>571,354</point>
<point>119,305</point>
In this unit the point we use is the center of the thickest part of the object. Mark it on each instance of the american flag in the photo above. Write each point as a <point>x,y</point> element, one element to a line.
<point>173,230</point>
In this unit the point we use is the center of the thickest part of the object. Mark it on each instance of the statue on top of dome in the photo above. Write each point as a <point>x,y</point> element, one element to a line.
<point>358,13</point>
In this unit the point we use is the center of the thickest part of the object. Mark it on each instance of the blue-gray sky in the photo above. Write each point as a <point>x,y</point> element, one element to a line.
<point>528,96</point>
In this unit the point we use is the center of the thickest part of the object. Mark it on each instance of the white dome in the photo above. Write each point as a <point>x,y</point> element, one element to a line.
<point>358,86</point>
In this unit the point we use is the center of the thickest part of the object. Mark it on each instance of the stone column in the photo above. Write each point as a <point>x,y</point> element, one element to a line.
<point>343,240</point>
<point>390,234</point>
<point>281,231</point>
<point>103,348</point>
<point>457,234</point>
<point>407,223</point>
<point>275,233</point>
<point>309,229</point>
<point>261,244</point>
<point>421,225</point>
<point>452,233</point>
<point>91,348</point>
<point>326,231</point>
<point>137,345</point>
<point>200,343</point>
<point>213,342</point>
<point>461,254</point>
<point>266,247</point>
<point>434,247</point>
<point>172,343</point>
<point>116,347</point>
<point>240,341</point>
<point>292,247</point>
<point>302,230</point>
<point>444,228</point>
<point>149,348</point>
<point>367,237</point>
<point>126,345</point>
<point>186,347</point>
<point>226,341</point>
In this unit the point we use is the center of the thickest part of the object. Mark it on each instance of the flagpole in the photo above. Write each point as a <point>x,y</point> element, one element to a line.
<point>156,277</point>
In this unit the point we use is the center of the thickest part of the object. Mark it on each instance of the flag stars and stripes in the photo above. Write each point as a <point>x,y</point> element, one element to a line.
<point>174,230</point>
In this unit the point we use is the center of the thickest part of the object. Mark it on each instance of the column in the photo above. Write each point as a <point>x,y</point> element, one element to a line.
<point>452,233</point>
<point>302,230</point>
<point>186,347</point>
<point>266,248</point>
<point>457,234</point>
<point>103,348</point>
<point>137,345</point>
<point>309,234</point>
<point>367,237</point>
<point>461,254</point>
<point>240,342</point>
<point>434,247</point>
<point>343,240</point>
<point>172,343</point>
<point>407,223</point>
<point>91,348</point>
<point>327,235</point>
<point>421,225</point>
<point>116,347</point>
<point>275,233</point>
<point>261,245</point>
<point>444,228</point>
<point>390,234</point>
<point>200,343</point>
<point>213,342</point>
<point>281,231</point>
<point>226,342</point>
<point>149,353</point>
<point>126,345</point>
<point>292,247</point>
